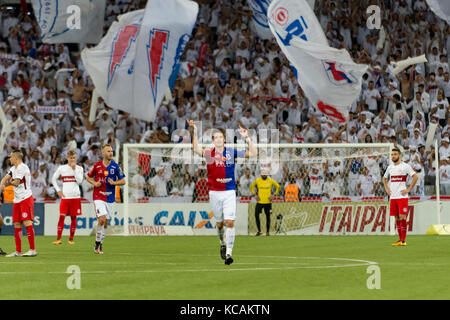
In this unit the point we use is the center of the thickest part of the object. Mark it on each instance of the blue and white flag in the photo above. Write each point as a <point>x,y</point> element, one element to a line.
<point>70,21</point>
<point>259,22</point>
<point>132,66</point>
<point>328,76</point>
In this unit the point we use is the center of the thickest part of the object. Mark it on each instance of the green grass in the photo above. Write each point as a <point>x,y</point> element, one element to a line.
<point>276,267</point>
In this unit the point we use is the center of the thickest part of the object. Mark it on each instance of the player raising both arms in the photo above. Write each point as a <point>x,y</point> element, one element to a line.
<point>20,177</point>
<point>397,191</point>
<point>72,177</point>
<point>105,175</point>
<point>220,164</point>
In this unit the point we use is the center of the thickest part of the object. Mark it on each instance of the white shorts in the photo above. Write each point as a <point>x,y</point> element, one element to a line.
<point>223,204</point>
<point>103,208</point>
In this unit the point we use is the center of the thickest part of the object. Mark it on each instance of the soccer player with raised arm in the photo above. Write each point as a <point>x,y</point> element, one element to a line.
<point>105,175</point>
<point>220,164</point>
<point>398,172</point>
<point>72,177</point>
<point>23,208</point>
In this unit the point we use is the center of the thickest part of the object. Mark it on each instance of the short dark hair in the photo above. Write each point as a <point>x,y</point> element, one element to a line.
<point>218,130</point>
<point>396,149</point>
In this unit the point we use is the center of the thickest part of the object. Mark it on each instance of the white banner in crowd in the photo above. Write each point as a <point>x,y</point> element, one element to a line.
<point>70,21</point>
<point>133,63</point>
<point>441,8</point>
<point>51,109</point>
<point>328,76</point>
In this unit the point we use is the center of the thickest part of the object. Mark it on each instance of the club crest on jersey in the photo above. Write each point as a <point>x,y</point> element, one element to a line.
<point>158,43</point>
<point>106,173</point>
<point>120,47</point>
<point>336,75</point>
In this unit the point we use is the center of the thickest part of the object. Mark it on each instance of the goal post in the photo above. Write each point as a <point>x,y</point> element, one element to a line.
<point>165,176</point>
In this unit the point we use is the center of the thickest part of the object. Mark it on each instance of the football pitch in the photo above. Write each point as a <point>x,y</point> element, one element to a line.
<point>265,268</point>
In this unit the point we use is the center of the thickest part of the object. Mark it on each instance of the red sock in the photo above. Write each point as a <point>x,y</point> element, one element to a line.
<point>18,239</point>
<point>399,229</point>
<point>60,226</point>
<point>30,233</point>
<point>73,227</point>
<point>404,227</point>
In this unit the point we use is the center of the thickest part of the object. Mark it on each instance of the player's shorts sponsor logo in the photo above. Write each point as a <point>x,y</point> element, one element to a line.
<point>405,210</point>
<point>24,214</point>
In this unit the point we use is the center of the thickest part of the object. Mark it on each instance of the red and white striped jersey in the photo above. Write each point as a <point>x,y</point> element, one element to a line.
<point>398,175</point>
<point>71,180</point>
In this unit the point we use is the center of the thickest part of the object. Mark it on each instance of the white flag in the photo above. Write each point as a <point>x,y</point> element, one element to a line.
<point>259,22</point>
<point>328,76</point>
<point>441,8</point>
<point>70,21</point>
<point>133,63</point>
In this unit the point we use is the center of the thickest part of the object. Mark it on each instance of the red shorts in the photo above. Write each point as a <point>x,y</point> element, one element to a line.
<point>23,210</point>
<point>71,207</point>
<point>398,206</point>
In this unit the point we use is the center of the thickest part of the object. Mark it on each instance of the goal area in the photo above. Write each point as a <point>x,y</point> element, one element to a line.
<point>324,189</point>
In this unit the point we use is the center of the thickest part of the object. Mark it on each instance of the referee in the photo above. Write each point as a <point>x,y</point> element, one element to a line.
<point>264,185</point>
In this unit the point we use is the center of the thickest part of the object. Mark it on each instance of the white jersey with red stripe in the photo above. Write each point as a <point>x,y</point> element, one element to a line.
<point>398,175</point>
<point>71,180</point>
<point>23,190</point>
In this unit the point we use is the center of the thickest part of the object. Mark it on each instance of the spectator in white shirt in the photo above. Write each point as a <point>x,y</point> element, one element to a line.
<point>371,96</point>
<point>158,183</point>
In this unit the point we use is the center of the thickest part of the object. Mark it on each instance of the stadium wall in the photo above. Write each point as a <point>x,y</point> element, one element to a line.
<point>196,218</point>
<point>152,219</point>
<point>349,218</point>
<point>38,223</point>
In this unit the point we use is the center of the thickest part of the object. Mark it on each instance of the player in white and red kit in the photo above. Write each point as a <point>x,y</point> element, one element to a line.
<point>397,191</point>
<point>23,208</point>
<point>105,175</point>
<point>221,183</point>
<point>72,177</point>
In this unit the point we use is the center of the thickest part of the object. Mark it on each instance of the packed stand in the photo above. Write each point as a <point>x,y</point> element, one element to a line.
<point>231,75</point>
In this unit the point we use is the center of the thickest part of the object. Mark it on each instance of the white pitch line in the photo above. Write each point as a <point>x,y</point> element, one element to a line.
<point>292,265</point>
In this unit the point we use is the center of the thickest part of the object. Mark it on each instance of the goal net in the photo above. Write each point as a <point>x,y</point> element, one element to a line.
<point>324,188</point>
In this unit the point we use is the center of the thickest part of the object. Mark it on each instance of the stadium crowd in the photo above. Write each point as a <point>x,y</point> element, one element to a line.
<point>231,75</point>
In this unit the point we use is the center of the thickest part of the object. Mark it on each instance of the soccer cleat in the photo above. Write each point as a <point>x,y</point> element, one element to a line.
<point>14,254</point>
<point>2,253</point>
<point>268,234</point>
<point>403,244</point>
<point>398,243</point>
<point>56,242</point>
<point>229,260</point>
<point>71,242</point>
<point>223,252</point>
<point>259,233</point>
<point>101,249</point>
<point>31,253</point>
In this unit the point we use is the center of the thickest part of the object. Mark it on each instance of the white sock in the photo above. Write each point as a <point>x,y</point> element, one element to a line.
<point>221,232</point>
<point>230,233</point>
<point>103,233</point>
<point>98,234</point>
